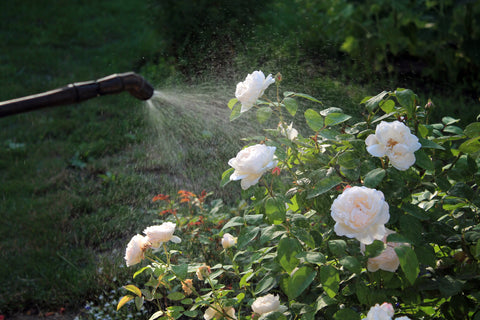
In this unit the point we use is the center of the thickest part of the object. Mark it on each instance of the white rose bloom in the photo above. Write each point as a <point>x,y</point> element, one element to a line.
<point>388,259</point>
<point>380,312</point>
<point>162,233</point>
<point>361,213</point>
<point>251,163</point>
<point>290,132</point>
<point>211,313</point>
<point>403,318</point>
<point>266,304</point>
<point>135,250</point>
<point>394,140</point>
<point>228,241</point>
<point>252,88</point>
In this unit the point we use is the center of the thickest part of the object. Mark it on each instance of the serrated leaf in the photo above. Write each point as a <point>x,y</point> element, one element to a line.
<point>180,271</point>
<point>470,146</point>
<point>264,285</point>
<point>374,177</point>
<point>246,235</point>
<point>337,247</point>
<point>308,97</point>
<point>232,103</point>
<point>408,262</point>
<point>472,130</point>
<point>423,160</point>
<point>312,257</point>
<point>263,114</point>
<point>133,289</point>
<point>287,250</point>
<point>387,106</point>
<point>373,102</point>
<point>299,281</point>
<point>332,119</point>
<point>314,119</point>
<point>124,300</point>
<point>291,105</point>
<point>430,144</point>
<point>275,210</point>
<point>226,177</point>
<point>330,279</point>
<point>176,296</point>
<point>236,112</point>
<point>324,185</point>
<point>352,264</point>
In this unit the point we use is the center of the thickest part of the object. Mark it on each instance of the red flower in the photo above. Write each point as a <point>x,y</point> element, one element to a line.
<point>276,171</point>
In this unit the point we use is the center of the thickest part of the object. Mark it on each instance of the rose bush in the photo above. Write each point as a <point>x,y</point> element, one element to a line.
<point>379,209</point>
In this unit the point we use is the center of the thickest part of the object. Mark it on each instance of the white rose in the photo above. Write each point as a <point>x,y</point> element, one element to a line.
<point>212,312</point>
<point>251,163</point>
<point>403,318</point>
<point>162,233</point>
<point>228,241</point>
<point>252,88</point>
<point>394,140</point>
<point>361,213</point>
<point>135,250</point>
<point>290,132</point>
<point>266,304</point>
<point>380,312</point>
<point>388,259</point>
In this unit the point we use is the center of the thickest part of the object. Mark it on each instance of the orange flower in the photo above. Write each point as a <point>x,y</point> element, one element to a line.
<point>187,286</point>
<point>161,197</point>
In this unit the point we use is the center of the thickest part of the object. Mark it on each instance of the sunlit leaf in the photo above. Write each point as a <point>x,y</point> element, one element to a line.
<point>291,105</point>
<point>308,97</point>
<point>299,281</point>
<point>263,114</point>
<point>156,315</point>
<point>235,114</point>
<point>232,103</point>
<point>124,300</point>
<point>472,130</point>
<point>332,119</point>
<point>373,102</point>
<point>226,177</point>
<point>133,289</point>
<point>287,250</point>
<point>330,279</point>
<point>314,119</point>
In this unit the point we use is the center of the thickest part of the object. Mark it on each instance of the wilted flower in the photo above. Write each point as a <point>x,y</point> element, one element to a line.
<point>187,286</point>
<point>380,312</point>
<point>388,259</point>
<point>252,88</point>
<point>214,312</point>
<point>202,272</point>
<point>228,241</point>
<point>251,163</point>
<point>135,250</point>
<point>288,131</point>
<point>266,304</point>
<point>162,233</point>
<point>361,213</point>
<point>394,140</point>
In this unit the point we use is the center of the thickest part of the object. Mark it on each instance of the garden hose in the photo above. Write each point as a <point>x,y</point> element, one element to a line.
<point>135,84</point>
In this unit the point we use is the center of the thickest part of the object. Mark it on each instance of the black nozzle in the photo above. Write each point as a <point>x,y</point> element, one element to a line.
<point>135,84</point>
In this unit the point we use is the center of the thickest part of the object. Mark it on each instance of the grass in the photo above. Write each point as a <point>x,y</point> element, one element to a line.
<point>77,181</point>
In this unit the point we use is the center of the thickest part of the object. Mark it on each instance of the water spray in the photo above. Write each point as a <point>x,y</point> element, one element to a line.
<point>135,84</point>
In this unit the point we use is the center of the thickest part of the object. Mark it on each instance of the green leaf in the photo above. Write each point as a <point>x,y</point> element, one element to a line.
<point>346,314</point>
<point>450,286</point>
<point>472,130</point>
<point>140,271</point>
<point>373,102</point>
<point>330,280</point>
<point>246,235</point>
<point>406,98</point>
<point>470,146</point>
<point>352,264</point>
<point>234,222</point>
<point>374,177</point>
<point>453,129</point>
<point>275,210</point>
<point>191,313</point>
<point>415,211</point>
<point>299,281</point>
<point>449,120</point>
<point>176,296</point>
<point>324,185</point>
<point>226,177</point>
<point>387,106</point>
<point>139,302</point>
<point>430,144</point>
<point>264,285</point>
<point>232,103</point>
<point>304,236</point>
<point>235,114</point>
<point>374,249</point>
<point>312,257</point>
<point>314,119</point>
<point>408,262</point>
<point>349,160</point>
<point>180,271</point>
<point>291,105</point>
<point>396,237</point>
<point>332,119</point>
<point>271,232</point>
<point>308,97</point>
<point>423,160</point>
<point>263,114</point>
<point>287,250</point>
<point>337,247</point>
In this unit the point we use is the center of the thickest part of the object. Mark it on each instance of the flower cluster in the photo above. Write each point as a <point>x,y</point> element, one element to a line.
<point>384,311</point>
